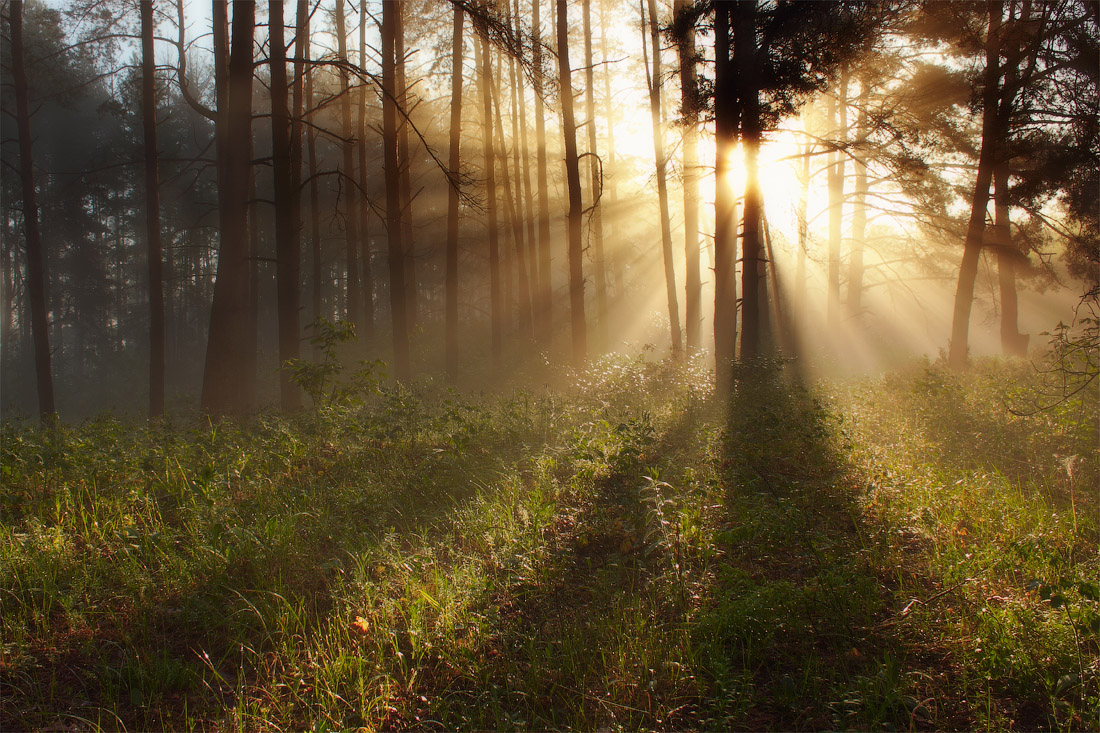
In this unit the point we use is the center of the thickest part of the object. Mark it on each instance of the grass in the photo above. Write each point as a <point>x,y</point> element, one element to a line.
<point>625,552</point>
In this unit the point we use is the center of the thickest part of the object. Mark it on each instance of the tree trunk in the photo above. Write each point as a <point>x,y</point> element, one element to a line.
<point>36,272</point>
<point>653,81</point>
<point>685,45</point>
<point>404,155</point>
<point>152,213</point>
<point>972,247</point>
<point>314,205</point>
<point>596,173</point>
<point>612,253</point>
<point>524,304</point>
<point>805,151</point>
<point>367,283</point>
<point>573,184</point>
<point>1013,343</point>
<point>485,80</point>
<point>546,284</point>
<point>286,209</point>
<point>349,182</point>
<point>528,194</point>
<point>725,227</point>
<point>396,252</point>
<point>859,209</point>
<point>747,70</point>
<point>838,116</point>
<point>454,164</point>
<point>227,385</point>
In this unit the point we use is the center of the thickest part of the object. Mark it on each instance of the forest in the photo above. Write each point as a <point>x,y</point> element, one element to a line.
<point>370,365</point>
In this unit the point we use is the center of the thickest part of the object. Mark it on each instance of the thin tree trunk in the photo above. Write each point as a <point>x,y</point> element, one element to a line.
<point>454,163</point>
<point>314,207</point>
<point>573,183</point>
<point>524,304</point>
<point>838,107</point>
<point>398,298</point>
<point>286,208</point>
<point>485,80</point>
<point>747,69</point>
<point>685,44</point>
<point>725,227</point>
<point>152,213</point>
<point>546,284</point>
<point>611,189</point>
<point>972,248</point>
<point>367,284</point>
<point>348,183</point>
<point>653,81</point>
<point>594,168</point>
<point>227,384</point>
<point>804,150</point>
<point>1013,343</point>
<point>859,209</point>
<point>36,272</point>
<point>403,153</point>
<point>528,194</point>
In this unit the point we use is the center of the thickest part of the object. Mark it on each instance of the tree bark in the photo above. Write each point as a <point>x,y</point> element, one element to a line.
<point>1013,343</point>
<point>404,155</point>
<point>653,80</point>
<point>349,182</point>
<point>546,284</point>
<point>528,194</point>
<point>454,163</point>
<point>367,283</point>
<point>524,295</point>
<point>152,213</point>
<point>975,231</point>
<point>748,95</point>
<point>36,272</point>
<point>685,45</point>
<point>838,116</point>
<point>596,173</point>
<point>859,208</point>
<point>396,251</point>
<point>227,384</point>
<point>286,209</point>
<point>314,205</point>
<point>485,80</point>
<point>613,252</point>
<point>573,186</point>
<point>726,116</point>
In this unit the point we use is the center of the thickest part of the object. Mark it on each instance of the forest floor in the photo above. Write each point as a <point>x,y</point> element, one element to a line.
<point>625,552</point>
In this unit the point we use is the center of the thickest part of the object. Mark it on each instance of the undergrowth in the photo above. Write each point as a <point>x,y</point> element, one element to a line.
<point>628,552</point>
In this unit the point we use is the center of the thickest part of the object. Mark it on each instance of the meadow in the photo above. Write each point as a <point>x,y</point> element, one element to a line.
<point>620,551</point>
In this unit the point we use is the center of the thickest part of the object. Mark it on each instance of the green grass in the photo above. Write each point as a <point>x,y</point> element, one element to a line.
<point>624,552</point>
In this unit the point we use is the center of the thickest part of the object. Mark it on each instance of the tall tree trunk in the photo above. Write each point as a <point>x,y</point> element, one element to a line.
<point>314,205</point>
<point>524,294</point>
<point>367,283</point>
<point>454,164</point>
<point>286,208</point>
<point>838,116</point>
<point>596,173</point>
<point>36,272</point>
<point>227,385</point>
<point>975,231</point>
<point>396,251</point>
<point>573,184</point>
<point>747,79</point>
<point>611,190</point>
<point>152,213</point>
<point>685,45</point>
<point>546,284</point>
<point>485,80</point>
<point>403,153</point>
<point>515,202</point>
<point>653,81</point>
<point>859,208</point>
<point>1013,343</point>
<point>805,149</point>
<point>528,193</point>
<point>349,182</point>
<point>726,115</point>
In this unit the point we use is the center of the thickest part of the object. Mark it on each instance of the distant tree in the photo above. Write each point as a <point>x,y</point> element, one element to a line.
<point>152,213</point>
<point>36,275</point>
<point>545,298</point>
<point>349,183</point>
<point>454,163</point>
<point>484,81</point>
<point>683,25</point>
<point>596,173</point>
<point>573,187</point>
